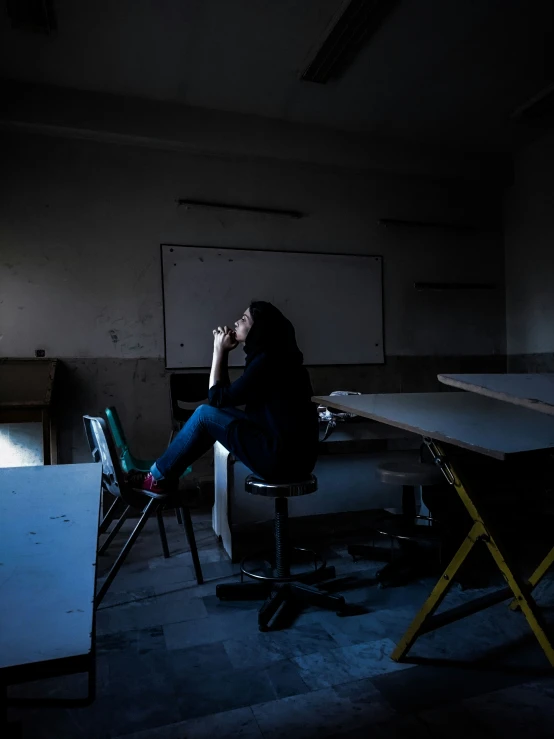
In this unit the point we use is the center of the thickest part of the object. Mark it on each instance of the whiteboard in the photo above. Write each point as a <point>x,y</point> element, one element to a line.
<point>334,301</point>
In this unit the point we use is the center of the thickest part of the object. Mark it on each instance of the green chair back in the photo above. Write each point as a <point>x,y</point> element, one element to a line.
<point>128,460</point>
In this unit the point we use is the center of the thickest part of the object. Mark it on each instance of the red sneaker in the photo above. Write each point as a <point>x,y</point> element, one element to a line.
<point>147,483</point>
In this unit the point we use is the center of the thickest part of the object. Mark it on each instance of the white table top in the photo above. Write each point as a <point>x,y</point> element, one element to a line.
<point>48,542</point>
<point>533,391</point>
<point>470,421</point>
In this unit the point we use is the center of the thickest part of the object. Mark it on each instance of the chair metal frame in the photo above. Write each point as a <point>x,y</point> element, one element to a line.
<point>197,396</point>
<point>103,450</point>
<point>128,461</point>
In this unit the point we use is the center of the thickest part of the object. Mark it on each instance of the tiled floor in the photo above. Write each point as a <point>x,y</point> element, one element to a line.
<point>175,663</point>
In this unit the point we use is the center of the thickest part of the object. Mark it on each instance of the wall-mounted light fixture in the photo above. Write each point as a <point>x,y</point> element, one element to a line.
<point>205,204</point>
<point>405,223</point>
<point>421,286</point>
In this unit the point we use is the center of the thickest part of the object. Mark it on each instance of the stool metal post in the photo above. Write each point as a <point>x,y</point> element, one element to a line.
<point>281,587</point>
<point>282,555</point>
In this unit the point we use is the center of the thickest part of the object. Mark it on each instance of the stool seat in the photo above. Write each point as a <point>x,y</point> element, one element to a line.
<point>409,473</point>
<point>257,486</point>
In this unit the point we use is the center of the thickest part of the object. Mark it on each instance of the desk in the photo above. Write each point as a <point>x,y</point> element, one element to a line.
<point>26,394</point>
<point>479,424</point>
<point>533,391</point>
<point>486,426</point>
<point>48,542</point>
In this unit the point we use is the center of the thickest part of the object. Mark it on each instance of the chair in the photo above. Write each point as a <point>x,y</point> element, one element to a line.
<point>187,392</point>
<point>276,584</point>
<point>128,461</point>
<point>103,450</point>
<point>411,473</point>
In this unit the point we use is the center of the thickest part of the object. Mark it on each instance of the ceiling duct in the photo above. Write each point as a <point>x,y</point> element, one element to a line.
<point>536,108</point>
<point>32,15</point>
<point>354,23</point>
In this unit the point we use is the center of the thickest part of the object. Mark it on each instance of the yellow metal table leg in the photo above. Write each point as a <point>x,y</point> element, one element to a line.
<point>537,576</point>
<point>480,531</point>
<point>524,599</point>
<point>437,595</point>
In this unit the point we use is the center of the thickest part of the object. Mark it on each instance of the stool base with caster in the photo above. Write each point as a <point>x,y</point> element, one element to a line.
<point>414,540</point>
<point>279,594</point>
<point>277,586</point>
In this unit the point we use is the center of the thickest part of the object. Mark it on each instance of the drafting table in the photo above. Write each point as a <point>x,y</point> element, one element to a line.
<point>486,426</point>
<point>533,391</point>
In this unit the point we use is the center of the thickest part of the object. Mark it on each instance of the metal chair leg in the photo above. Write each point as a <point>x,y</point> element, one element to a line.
<point>113,532</point>
<point>189,530</point>
<point>178,516</point>
<point>150,508</point>
<point>161,527</point>
<point>109,517</point>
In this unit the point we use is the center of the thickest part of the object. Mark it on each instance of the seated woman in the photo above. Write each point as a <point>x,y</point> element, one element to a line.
<point>276,436</point>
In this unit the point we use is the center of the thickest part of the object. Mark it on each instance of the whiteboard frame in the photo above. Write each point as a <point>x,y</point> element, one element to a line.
<point>272,251</point>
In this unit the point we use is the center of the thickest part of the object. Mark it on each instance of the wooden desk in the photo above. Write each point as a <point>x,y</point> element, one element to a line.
<point>485,426</point>
<point>26,394</point>
<point>532,391</point>
<point>48,542</point>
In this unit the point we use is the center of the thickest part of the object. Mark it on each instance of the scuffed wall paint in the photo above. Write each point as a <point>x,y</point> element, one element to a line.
<point>140,391</point>
<point>138,388</point>
<point>81,224</point>
<point>80,229</point>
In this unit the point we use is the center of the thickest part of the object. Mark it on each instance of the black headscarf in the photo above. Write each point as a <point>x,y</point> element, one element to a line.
<point>272,334</point>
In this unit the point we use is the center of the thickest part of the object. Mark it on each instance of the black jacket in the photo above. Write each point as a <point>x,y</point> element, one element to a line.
<point>277,398</point>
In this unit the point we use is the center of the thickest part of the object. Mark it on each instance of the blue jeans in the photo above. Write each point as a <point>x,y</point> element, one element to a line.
<point>246,440</point>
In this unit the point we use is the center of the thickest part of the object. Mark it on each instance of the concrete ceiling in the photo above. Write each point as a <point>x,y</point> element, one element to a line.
<point>448,71</point>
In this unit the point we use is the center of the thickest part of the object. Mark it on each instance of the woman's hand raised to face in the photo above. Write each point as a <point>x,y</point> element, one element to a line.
<point>224,339</point>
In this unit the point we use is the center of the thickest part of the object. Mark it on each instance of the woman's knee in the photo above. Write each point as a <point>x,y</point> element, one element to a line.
<point>204,413</point>
<point>216,421</point>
